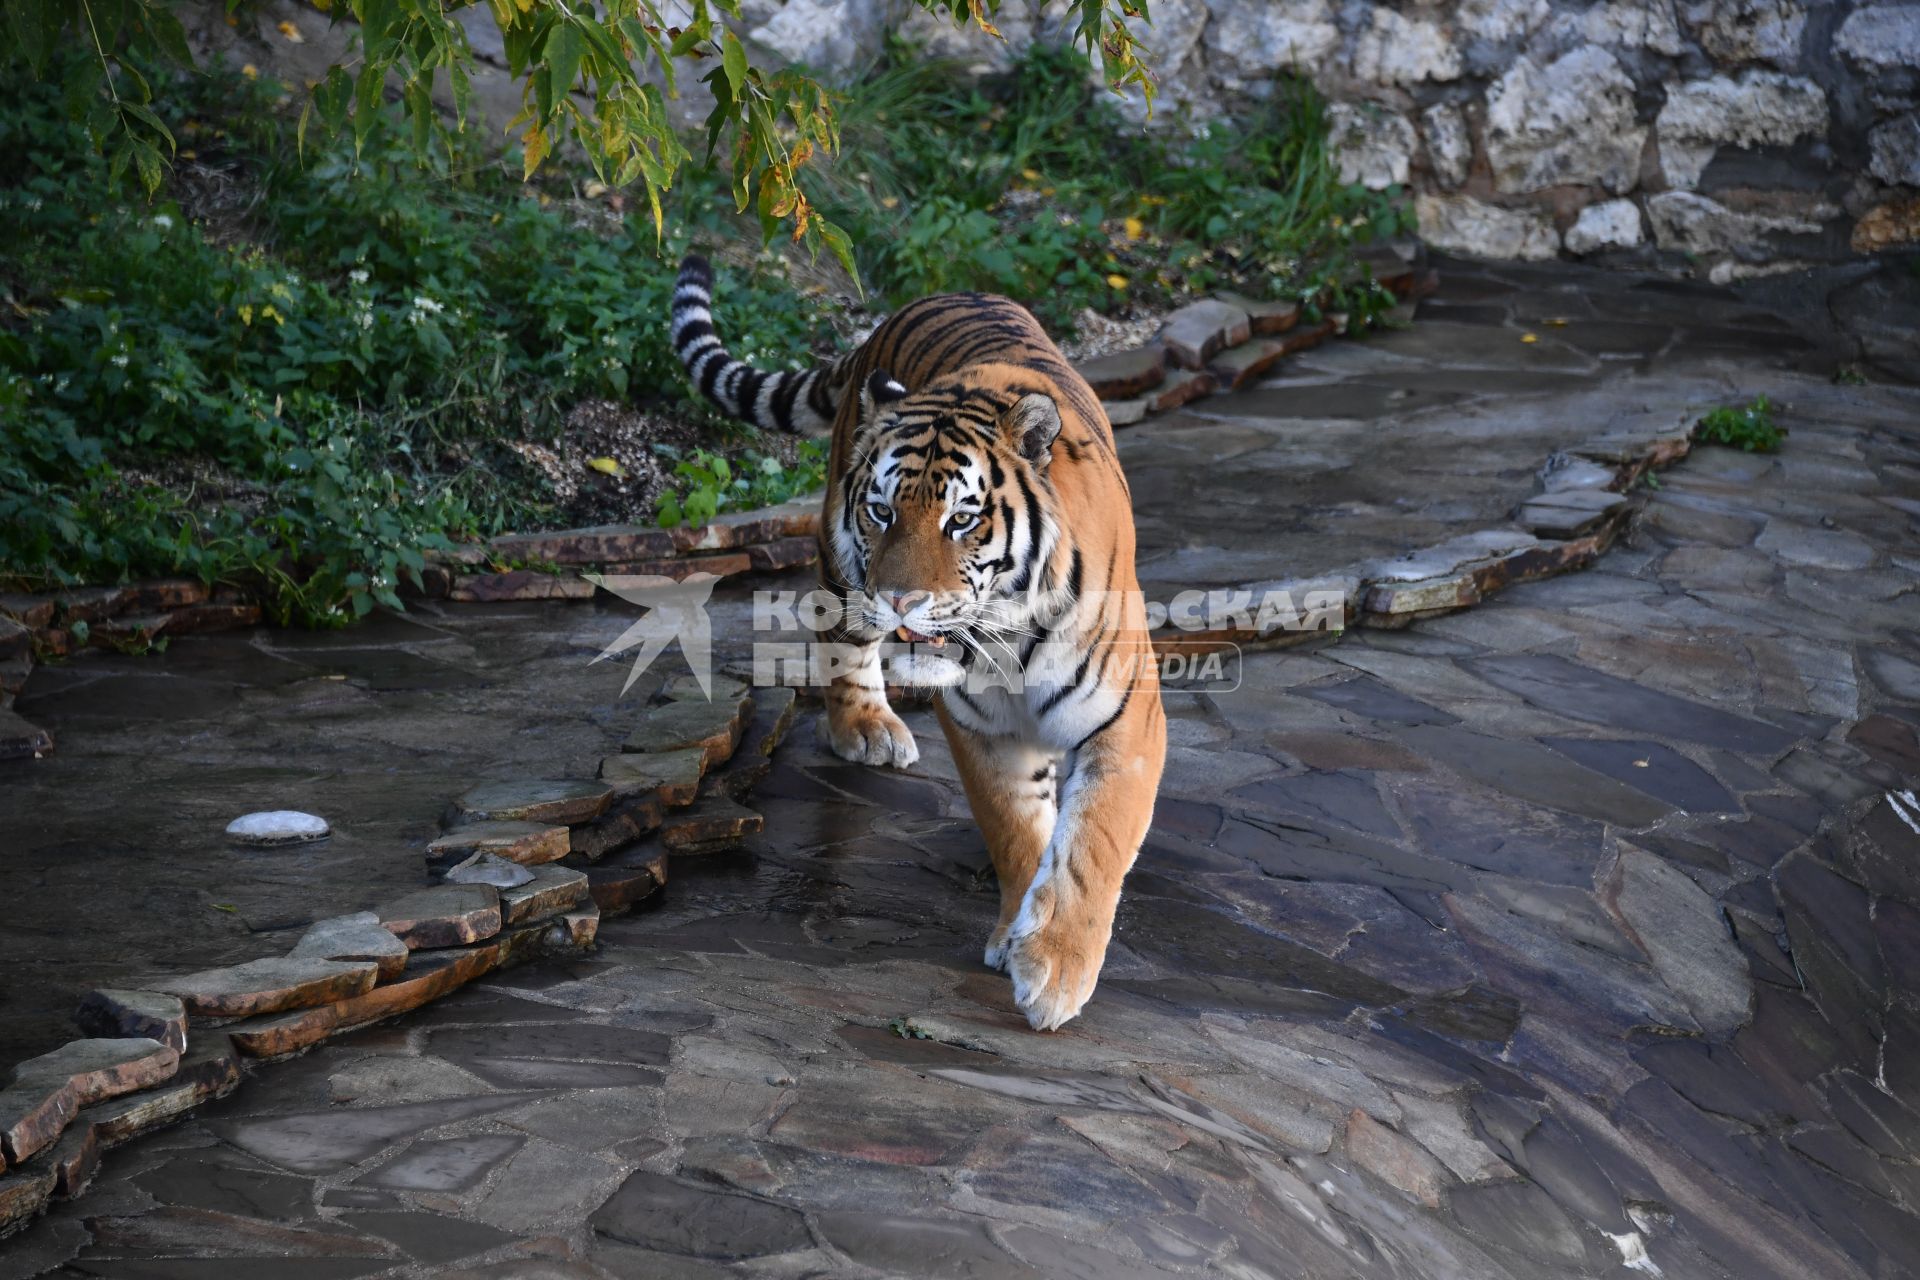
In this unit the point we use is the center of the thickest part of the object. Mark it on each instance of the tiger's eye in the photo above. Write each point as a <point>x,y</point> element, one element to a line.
<point>880,513</point>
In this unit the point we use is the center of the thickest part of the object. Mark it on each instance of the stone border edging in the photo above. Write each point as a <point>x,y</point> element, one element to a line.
<point>545,861</point>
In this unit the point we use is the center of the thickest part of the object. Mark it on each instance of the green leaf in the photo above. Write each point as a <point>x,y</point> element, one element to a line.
<point>733,58</point>
<point>565,48</point>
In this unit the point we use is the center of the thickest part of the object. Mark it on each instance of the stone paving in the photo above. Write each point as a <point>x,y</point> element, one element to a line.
<point>1572,935</point>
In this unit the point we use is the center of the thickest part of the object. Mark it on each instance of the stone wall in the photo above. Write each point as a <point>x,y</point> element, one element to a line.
<point>1744,135</point>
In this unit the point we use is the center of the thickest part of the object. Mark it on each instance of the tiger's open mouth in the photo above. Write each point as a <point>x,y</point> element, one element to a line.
<point>911,636</point>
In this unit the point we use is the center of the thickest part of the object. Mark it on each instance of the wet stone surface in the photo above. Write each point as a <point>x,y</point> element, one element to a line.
<point>1574,935</point>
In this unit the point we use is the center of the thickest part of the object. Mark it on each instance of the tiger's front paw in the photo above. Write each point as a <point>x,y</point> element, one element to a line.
<point>1055,965</point>
<point>872,735</point>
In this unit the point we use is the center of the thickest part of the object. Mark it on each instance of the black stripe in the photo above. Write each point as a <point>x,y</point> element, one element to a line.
<point>783,398</point>
<point>1107,724</point>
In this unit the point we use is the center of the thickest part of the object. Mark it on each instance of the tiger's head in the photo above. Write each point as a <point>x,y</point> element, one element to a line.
<point>947,514</point>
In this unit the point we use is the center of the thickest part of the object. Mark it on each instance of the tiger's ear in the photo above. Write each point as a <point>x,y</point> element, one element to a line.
<point>1030,427</point>
<point>879,389</point>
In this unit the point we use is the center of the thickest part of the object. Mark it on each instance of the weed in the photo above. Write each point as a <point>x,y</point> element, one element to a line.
<point>714,484</point>
<point>1750,427</point>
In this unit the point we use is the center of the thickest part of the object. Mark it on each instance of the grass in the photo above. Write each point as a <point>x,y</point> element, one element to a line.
<point>297,373</point>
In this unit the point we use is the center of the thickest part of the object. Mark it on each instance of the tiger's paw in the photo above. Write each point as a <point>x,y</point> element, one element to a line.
<point>1054,970</point>
<point>873,735</point>
<point>996,953</point>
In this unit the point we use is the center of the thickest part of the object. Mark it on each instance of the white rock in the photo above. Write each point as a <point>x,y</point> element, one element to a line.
<point>1461,224</point>
<point>830,36</point>
<point>1370,144</point>
<point>1634,24</point>
<point>1896,150</point>
<point>1570,122</point>
<point>278,826</point>
<point>1020,23</point>
<point>1610,224</point>
<point>1499,20</point>
<point>1758,108</point>
<point>1449,144</point>
<point>1739,31</point>
<point>1246,43</point>
<point>1692,223</point>
<point>1881,37</point>
<point>1398,50</point>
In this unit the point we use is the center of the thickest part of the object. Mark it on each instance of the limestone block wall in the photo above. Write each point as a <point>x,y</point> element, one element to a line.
<point>1746,135</point>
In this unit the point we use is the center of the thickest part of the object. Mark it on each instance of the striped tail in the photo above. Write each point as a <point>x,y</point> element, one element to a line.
<point>799,400</point>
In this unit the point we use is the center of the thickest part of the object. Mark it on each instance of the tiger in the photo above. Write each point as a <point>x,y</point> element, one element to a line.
<point>975,509</point>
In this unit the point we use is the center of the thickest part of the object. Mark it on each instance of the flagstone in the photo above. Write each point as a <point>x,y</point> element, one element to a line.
<point>713,727</point>
<point>268,986</point>
<point>113,1011</point>
<point>548,801</point>
<point>356,937</point>
<point>525,842</point>
<point>444,916</point>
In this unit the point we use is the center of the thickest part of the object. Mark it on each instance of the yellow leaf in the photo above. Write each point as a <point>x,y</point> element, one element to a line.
<point>250,71</point>
<point>1557,324</point>
<point>1135,228</point>
<point>1529,338</point>
<point>1031,175</point>
<point>1117,281</point>
<point>608,467</point>
<point>246,313</point>
<point>292,33</point>
<point>595,190</point>
<point>889,202</point>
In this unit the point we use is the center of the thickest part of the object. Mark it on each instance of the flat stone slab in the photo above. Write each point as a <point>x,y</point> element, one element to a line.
<point>549,801</point>
<point>353,938</point>
<point>1124,374</point>
<point>664,1214</point>
<point>268,986</point>
<point>626,879</point>
<point>551,891</point>
<point>1183,386</point>
<point>714,727</point>
<point>1125,413</point>
<point>43,1093</point>
<point>1195,332</point>
<point>447,915</point>
<point>711,822</point>
<point>429,975</point>
<point>1679,927</point>
<point>518,584</point>
<point>672,776</point>
<point>721,687</point>
<point>1247,363</point>
<point>154,1015</point>
<point>629,820</point>
<point>278,826</point>
<point>787,553</point>
<point>526,842</point>
<point>1265,317</point>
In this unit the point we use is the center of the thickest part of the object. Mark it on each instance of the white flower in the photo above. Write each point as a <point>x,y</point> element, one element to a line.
<point>120,361</point>
<point>163,221</point>
<point>427,306</point>
<point>358,275</point>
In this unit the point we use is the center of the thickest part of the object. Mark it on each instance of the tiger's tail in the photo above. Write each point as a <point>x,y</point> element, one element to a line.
<point>797,400</point>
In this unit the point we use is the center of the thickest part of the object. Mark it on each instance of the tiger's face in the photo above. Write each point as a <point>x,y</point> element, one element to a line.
<point>946,510</point>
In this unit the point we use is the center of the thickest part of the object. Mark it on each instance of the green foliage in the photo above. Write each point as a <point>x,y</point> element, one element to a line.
<point>712,484</point>
<point>596,75</point>
<point>1032,184</point>
<point>1750,427</point>
<point>304,399</point>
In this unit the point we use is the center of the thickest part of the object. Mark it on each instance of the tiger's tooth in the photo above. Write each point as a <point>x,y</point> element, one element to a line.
<point>936,641</point>
<point>902,633</point>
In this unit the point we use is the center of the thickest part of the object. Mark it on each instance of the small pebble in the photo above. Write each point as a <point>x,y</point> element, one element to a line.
<point>780,1081</point>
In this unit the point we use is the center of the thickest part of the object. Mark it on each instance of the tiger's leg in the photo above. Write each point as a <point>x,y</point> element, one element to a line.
<point>861,727</point>
<point>1058,940</point>
<point>1011,786</point>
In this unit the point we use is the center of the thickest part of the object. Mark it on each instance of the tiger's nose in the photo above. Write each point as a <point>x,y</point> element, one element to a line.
<point>905,602</point>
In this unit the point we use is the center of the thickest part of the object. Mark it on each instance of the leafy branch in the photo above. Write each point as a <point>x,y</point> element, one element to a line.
<point>596,73</point>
